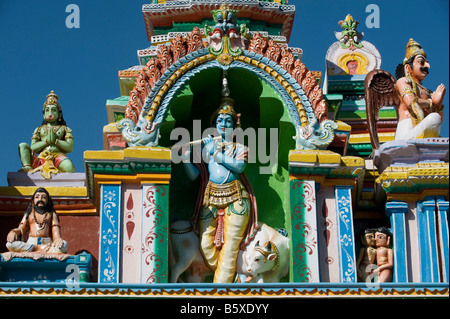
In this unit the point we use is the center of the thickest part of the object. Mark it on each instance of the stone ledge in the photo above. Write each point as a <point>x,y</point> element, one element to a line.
<point>275,290</point>
<point>36,267</point>
<point>410,152</point>
<point>35,179</point>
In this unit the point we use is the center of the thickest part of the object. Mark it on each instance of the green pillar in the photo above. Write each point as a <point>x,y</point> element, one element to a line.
<point>155,235</point>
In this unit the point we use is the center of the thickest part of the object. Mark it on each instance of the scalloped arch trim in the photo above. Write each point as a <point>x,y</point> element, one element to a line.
<point>296,84</point>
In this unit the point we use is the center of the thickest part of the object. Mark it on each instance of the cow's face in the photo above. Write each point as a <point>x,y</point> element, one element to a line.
<point>260,259</point>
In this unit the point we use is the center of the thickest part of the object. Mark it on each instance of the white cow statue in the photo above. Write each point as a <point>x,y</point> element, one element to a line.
<point>266,258</point>
<point>184,254</point>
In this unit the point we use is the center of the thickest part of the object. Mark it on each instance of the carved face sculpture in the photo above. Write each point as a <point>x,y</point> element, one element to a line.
<point>420,68</point>
<point>260,259</point>
<point>51,113</point>
<point>220,21</point>
<point>369,239</point>
<point>40,199</point>
<point>382,240</point>
<point>225,18</point>
<point>231,18</point>
<point>40,202</point>
<point>225,124</point>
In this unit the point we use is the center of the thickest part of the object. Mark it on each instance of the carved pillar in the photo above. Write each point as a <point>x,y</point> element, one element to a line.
<point>346,242</point>
<point>154,232</point>
<point>443,206</point>
<point>131,189</point>
<point>323,247</point>
<point>305,254</point>
<point>131,233</point>
<point>327,235</point>
<point>428,250</point>
<point>397,213</point>
<point>110,238</point>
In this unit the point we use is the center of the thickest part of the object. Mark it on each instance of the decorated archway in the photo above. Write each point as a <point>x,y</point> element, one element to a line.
<point>161,79</point>
<point>271,88</point>
<point>262,109</point>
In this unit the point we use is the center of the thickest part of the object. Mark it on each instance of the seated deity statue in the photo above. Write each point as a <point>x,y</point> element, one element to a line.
<point>420,113</point>
<point>50,143</point>
<point>41,223</point>
<point>226,209</point>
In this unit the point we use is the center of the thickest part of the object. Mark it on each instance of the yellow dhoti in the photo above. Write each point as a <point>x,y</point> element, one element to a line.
<point>222,227</point>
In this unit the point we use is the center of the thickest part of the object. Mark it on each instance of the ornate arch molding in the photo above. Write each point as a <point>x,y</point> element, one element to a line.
<point>161,78</point>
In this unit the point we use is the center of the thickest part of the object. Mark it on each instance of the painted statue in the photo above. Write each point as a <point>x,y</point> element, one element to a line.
<point>420,111</point>
<point>226,38</point>
<point>367,254</point>
<point>349,37</point>
<point>266,258</point>
<point>41,223</point>
<point>50,143</point>
<point>350,55</point>
<point>184,254</point>
<point>385,255</point>
<point>376,258</point>
<point>226,211</point>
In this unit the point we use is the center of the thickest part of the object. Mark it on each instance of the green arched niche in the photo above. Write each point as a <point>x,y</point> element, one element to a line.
<point>261,107</point>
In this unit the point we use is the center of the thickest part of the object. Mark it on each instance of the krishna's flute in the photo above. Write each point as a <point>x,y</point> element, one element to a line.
<point>217,138</point>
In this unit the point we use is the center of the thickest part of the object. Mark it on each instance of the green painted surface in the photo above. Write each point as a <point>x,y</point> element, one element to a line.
<point>334,102</point>
<point>298,271</point>
<point>162,230</point>
<point>121,100</point>
<point>343,87</point>
<point>118,116</point>
<point>128,168</point>
<point>187,26</point>
<point>361,114</point>
<point>360,150</point>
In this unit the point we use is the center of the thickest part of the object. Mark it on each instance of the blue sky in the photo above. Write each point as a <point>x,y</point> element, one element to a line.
<point>38,53</point>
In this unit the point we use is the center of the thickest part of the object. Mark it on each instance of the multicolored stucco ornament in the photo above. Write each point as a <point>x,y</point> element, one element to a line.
<point>224,39</point>
<point>349,37</point>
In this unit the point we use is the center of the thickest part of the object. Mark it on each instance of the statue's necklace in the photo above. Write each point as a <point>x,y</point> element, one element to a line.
<point>54,128</point>
<point>40,226</point>
<point>414,84</point>
<point>224,145</point>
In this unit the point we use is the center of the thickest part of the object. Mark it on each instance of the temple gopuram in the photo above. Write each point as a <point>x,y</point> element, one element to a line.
<point>231,169</point>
